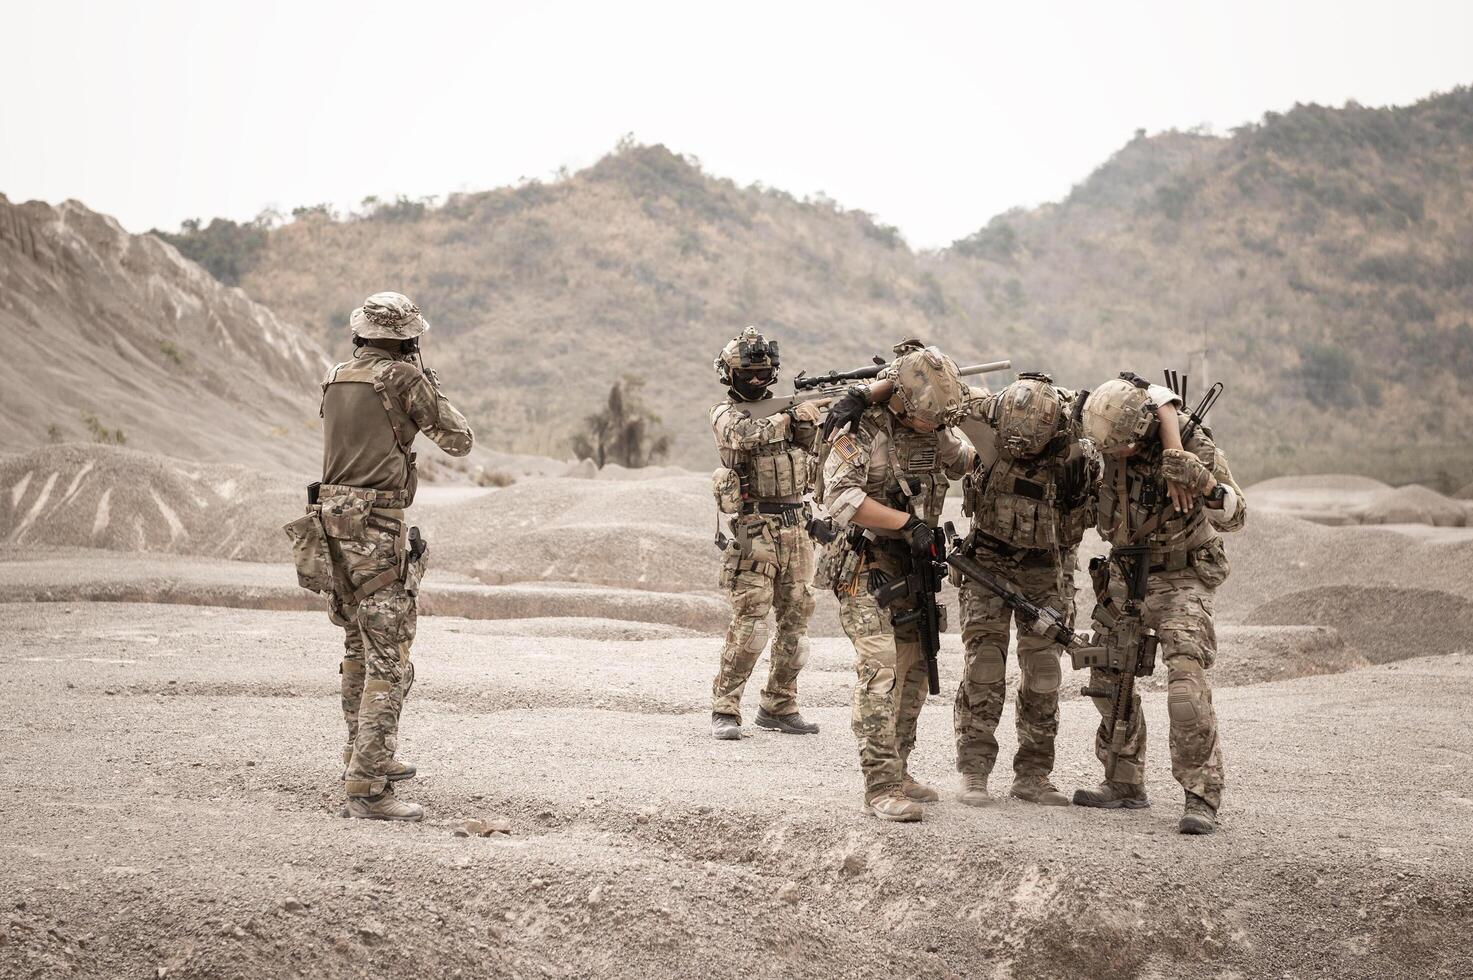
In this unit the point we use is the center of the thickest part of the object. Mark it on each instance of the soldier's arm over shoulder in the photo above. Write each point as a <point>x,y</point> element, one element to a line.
<point>441,421</point>
<point>735,429</point>
<point>1234,513</point>
<point>955,453</point>
<point>846,470</point>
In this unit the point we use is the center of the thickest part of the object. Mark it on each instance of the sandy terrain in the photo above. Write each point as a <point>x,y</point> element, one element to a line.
<point>172,726</point>
<point>172,781</point>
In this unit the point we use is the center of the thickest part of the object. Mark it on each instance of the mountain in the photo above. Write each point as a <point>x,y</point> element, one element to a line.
<point>116,338</point>
<point>1322,258</point>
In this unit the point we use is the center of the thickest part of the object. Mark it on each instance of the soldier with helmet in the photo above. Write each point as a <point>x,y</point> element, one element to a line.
<point>1176,500</point>
<point>373,406</point>
<point>1029,508</point>
<point>884,484</point>
<point>767,468</point>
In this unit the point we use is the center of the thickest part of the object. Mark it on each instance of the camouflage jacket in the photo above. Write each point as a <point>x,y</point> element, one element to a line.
<point>896,466</point>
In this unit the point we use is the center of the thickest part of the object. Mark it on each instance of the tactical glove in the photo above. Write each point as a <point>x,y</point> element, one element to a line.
<point>920,536</point>
<point>845,411</point>
<point>805,412</point>
<point>1185,470</point>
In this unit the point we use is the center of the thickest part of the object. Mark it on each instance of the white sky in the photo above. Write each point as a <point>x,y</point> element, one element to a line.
<point>932,116</point>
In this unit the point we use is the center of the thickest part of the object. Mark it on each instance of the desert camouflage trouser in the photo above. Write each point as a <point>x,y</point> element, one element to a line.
<point>889,689</point>
<point>783,582</point>
<point>1179,606</point>
<point>979,697</point>
<point>376,672</point>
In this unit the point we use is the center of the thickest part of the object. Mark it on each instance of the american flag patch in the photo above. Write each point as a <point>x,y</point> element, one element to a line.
<point>846,447</point>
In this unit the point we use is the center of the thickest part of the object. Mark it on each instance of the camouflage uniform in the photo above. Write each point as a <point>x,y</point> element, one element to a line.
<point>1187,565</point>
<point>769,565</point>
<point>1029,513</point>
<point>372,408</point>
<point>909,471</point>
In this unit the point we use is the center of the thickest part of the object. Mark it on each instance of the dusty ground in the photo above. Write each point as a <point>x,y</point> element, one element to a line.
<point>168,809</point>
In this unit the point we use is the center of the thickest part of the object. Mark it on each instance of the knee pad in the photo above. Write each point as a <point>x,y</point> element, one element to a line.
<point>989,665</point>
<point>757,639</point>
<point>408,676</point>
<point>1041,671</point>
<point>1184,694</point>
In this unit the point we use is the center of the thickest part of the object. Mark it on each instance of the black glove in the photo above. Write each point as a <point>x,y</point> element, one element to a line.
<point>845,411</point>
<point>921,537</point>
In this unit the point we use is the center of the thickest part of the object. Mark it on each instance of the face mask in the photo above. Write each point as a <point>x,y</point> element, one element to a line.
<point>751,385</point>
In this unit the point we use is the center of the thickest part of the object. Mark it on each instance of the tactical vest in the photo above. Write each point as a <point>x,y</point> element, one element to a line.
<point>778,470</point>
<point>366,437</point>
<point>1133,493</point>
<point>1027,503</point>
<point>916,480</point>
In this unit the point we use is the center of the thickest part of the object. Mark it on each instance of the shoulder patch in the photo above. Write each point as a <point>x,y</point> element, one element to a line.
<point>846,447</point>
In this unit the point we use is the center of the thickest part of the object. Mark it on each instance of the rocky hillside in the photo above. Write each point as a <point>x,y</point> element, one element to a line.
<point>117,338</point>
<point>1322,258</point>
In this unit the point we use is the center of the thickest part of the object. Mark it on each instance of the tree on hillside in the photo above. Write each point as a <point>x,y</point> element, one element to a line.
<point>624,431</point>
<point>225,248</point>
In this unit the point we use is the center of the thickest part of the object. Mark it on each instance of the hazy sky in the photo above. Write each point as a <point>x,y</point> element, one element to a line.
<point>932,116</point>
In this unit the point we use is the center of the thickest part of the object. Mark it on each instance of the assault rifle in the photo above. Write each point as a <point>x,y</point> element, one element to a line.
<point>920,580</point>
<point>1125,647</point>
<point>824,388</point>
<point>1043,620</point>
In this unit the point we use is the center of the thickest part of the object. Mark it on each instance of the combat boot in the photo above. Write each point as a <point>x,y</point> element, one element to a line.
<point>792,724</point>
<point>726,727</point>
<point>918,791</point>
<point>384,806</point>
<point>892,804</point>
<point>974,790</point>
<point>1199,816</point>
<point>1113,796</point>
<point>395,772</point>
<point>1037,789</point>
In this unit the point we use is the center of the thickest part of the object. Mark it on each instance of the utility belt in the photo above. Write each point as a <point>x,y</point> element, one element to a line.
<point>1174,561</point>
<point>336,513</point>
<point>979,540</point>
<point>790,514</point>
<point>378,499</point>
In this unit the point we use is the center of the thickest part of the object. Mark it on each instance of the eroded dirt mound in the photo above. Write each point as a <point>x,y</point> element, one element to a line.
<point>645,534</point>
<point>1384,624</point>
<point>1325,498</point>
<point>126,339</point>
<point>1276,554</point>
<point>1413,504</point>
<point>1464,494</point>
<point>109,497</point>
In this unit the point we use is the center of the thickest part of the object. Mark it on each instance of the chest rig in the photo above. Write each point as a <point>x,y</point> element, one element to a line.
<point>1042,503</point>
<point>1133,500</point>
<point>778,470</point>
<point>915,481</point>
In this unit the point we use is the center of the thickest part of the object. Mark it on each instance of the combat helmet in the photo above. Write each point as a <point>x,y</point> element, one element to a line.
<point>387,316</point>
<point>1118,413</point>
<point>928,387</point>
<point>1028,415</point>
<point>748,364</point>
